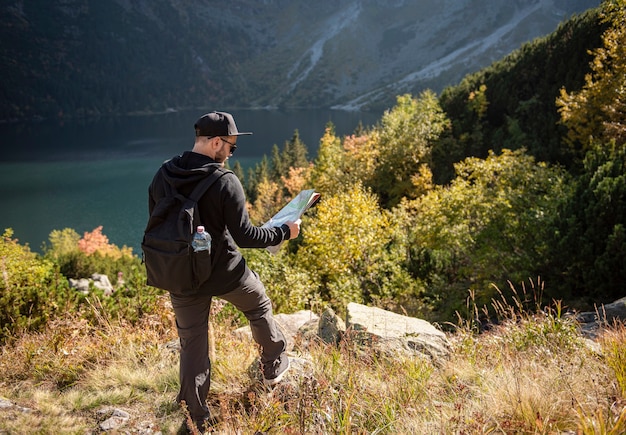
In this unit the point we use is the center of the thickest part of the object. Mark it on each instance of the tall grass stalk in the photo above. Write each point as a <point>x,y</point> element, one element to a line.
<point>532,372</point>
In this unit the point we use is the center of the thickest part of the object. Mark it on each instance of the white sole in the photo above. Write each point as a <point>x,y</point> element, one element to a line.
<point>277,379</point>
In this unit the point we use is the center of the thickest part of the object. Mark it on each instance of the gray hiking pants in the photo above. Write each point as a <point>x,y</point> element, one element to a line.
<point>192,322</point>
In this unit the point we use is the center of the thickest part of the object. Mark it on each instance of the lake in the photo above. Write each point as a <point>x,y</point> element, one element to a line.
<point>83,174</point>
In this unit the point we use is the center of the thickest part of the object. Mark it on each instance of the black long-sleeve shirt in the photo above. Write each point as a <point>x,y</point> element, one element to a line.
<point>223,213</point>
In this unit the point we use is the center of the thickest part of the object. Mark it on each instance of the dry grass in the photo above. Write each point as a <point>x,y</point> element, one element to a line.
<point>530,374</point>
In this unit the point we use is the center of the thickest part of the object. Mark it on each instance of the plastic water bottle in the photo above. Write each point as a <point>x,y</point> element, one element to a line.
<point>201,240</point>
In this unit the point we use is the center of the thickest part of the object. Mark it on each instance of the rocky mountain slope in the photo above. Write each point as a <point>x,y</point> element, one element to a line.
<point>87,57</point>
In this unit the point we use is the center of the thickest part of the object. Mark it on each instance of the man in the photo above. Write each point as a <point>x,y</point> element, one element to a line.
<point>224,215</point>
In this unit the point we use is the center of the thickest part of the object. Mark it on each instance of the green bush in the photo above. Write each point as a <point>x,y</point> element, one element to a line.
<point>32,290</point>
<point>35,289</point>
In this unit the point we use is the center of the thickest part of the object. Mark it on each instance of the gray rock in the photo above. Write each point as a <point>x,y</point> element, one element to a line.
<point>116,418</point>
<point>309,331</point>
<point>381,330</point>
<point>605,312</point>
<point>390,333</point>
<point>290,324</point>
<point>98,280</point>
<point>7,404</point>
<point>102,282</point>
<point>293,322</point>
<point>81,285</point>
<point>591,322</point>
<point>331,327</point>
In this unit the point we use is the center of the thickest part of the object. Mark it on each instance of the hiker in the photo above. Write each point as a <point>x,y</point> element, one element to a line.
<point>222,211</point>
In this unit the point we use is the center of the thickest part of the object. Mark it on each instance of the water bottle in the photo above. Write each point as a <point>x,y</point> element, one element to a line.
<point>201,240</point>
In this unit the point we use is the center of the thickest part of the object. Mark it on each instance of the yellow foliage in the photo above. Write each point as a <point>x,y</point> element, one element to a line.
<point>349,233</point>
<point>63,241</point>
<point>422,181</point>
<point>598,111</point>
<point>362,156</point>
<point>268,202</point>
<point>328,173</point>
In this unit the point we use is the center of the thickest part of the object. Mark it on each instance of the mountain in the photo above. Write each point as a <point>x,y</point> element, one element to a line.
<point>68,58</point>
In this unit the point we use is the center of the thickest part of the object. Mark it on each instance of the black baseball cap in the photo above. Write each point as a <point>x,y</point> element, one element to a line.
<point>217,124</point>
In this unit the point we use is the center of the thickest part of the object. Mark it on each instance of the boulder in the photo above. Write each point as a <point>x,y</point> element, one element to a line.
<point>81,285</point>
<point>290,324</point>
<point>331,327</point>
<point>605,314</point>
<point>390,333</point>
<point>383,331</point>
<point>102,282</point>
<point>98,280</point>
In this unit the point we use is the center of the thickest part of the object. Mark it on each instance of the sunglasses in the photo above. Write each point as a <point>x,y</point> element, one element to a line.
<point>233,146</point>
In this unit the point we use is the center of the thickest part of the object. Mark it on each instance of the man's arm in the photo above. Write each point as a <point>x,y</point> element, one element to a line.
<point>237,220</point>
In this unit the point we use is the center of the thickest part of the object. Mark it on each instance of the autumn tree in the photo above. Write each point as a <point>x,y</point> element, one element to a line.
<point>277,181</point>
<point>361,155</point>
<point>329,167</point>
<point>405,138</point>
<point>488,226</point>
<point>597,113</point>
<point>345,248</point>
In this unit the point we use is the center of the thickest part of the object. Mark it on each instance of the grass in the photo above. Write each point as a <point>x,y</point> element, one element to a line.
<point>529,374</point>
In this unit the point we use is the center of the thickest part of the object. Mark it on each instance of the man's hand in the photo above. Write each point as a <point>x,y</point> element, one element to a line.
<point>294,228</point>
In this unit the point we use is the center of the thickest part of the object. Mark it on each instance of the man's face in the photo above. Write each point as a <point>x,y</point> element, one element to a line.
<point>228,146</point>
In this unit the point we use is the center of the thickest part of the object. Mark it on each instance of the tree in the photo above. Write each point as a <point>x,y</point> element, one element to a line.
<point>405,138</point>
<point>520,89</point>
<point>292,161</point>
<point>271,185</point>
<point>344,247</point>
<point>488,226</point>
<point>587,260</point>
<point>588,256</point>
<point>256,175</point>
<point>598,111</point>
<point>329,167</point>
<point>361,157</point>
<point>238,170</point>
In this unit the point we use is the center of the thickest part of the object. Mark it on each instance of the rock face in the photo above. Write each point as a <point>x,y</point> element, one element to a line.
<point>389,332</point>
<point>291,324</point>
<point>373,329</point>
<point>331,328</point>
<point>347,54</point>
<point>592,321</point>
<point>97,279</point>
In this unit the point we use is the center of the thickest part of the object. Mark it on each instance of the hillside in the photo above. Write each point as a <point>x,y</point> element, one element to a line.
<point>85,58</point>
<point>528,375</point>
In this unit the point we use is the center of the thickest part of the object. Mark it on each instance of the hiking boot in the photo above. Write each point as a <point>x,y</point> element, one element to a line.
<point>273,372</point>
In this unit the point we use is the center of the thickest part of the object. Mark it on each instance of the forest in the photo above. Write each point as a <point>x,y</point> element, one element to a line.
<point>517,174</point>
<point>514,177</point>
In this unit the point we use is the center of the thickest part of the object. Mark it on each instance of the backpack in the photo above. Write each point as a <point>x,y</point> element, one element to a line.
<point>171,263</point>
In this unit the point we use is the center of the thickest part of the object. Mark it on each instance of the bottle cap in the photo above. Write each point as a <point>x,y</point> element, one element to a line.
<point>200,229</point>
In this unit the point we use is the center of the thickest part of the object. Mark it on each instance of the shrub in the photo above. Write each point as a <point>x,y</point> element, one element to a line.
<point>31,289</point>
<point>82,257</point>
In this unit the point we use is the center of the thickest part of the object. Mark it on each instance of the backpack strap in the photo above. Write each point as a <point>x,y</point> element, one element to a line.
<point>201,189</point>
<point>204,185</point>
